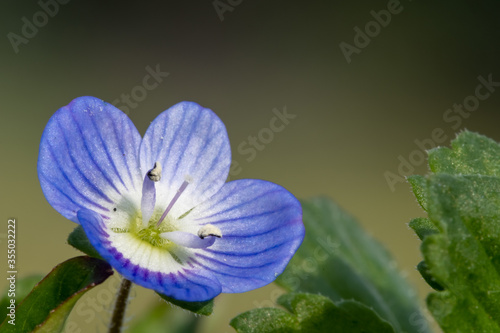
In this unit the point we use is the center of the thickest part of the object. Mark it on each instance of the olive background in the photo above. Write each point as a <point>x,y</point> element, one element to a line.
<point>354,121</point>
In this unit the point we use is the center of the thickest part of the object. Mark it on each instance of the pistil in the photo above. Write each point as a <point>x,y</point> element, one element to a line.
<point>181,189</point>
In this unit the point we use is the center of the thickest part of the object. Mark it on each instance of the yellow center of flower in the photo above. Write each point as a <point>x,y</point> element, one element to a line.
<point>150,233</point>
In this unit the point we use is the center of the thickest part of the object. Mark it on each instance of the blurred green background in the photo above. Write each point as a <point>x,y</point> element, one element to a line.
<point>354,120</point>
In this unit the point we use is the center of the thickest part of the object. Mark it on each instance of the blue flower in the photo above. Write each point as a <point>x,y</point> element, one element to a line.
<point>158,208</point>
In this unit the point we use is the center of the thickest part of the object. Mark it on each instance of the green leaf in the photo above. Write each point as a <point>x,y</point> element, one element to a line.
<point>23,288</point>
<point>426,274</point>
<point>470,154</point>
<point>48,305</point>
<point>204,308</point>
<point>165,319</point>
<point>339,260</point>
<point>265,320</point>
<point>311,313</point>
<point>418,186</point>
<point>78,239</point>
<point>423,227</point>
<point>462,253</point>
<point>465,257</point>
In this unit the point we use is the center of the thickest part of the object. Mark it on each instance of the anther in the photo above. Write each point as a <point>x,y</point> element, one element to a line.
<point>209,230</point>
<point>155,173</point>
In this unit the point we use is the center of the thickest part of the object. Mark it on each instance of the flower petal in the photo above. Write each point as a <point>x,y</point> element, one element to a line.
<point>191,144</point>
<point>88,157</point>
<point>146,265</point>
<point>261,226</point>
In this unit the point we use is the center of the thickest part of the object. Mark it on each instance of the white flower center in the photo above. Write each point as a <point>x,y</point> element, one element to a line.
<point>161,234</point>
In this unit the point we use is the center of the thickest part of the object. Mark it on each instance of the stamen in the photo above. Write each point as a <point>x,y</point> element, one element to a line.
<point>209,230</point>
<point>188,239</point>
<point>181,189</point>
<point>155,173</point>
<point>148,200</point>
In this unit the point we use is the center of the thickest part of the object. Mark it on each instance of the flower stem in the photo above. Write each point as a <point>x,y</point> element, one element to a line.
<point>120,307</point>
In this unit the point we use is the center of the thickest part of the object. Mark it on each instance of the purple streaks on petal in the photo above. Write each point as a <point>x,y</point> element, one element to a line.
<point>187,284</point>
<point>262,227</point>
<point>88,157</point>
<point>193,142</point>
